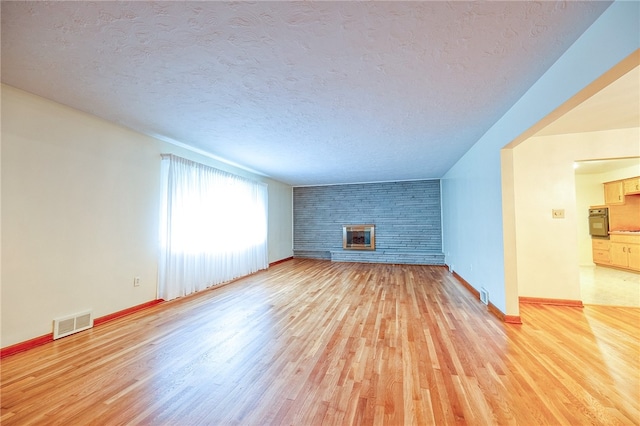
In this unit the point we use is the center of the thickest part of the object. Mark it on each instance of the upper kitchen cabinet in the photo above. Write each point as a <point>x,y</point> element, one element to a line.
<point>614,192</point>
<point>631,186</point>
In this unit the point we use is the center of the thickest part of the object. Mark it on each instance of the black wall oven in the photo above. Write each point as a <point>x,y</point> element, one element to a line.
<point>599,222</point>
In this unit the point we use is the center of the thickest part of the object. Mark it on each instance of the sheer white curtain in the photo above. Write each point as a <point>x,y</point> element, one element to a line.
<point>213,227</point>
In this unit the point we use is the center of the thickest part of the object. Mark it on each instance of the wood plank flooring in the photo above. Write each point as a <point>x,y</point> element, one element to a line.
<point>313,342</point>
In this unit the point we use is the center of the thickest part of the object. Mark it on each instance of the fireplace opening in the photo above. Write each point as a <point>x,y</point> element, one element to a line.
<point>358,237</point>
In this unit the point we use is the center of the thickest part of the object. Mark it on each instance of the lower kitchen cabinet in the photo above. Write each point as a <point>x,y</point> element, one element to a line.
<point>600,251</point>
<point>624,251</point>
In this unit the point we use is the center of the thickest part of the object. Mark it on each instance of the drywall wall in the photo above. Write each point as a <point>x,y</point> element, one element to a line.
<point>407,216</point>
<point>80,214</point>
<point>544,179</point>
<point>473,238</point>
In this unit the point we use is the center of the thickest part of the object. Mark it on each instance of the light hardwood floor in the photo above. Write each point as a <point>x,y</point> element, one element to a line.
<point>313,342</point>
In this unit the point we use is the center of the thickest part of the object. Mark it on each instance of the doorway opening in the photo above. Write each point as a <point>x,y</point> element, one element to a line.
<point>601,284</point>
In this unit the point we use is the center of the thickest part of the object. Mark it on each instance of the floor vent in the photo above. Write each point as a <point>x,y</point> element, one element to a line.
<point>484,296</point>
<point>72,324</point>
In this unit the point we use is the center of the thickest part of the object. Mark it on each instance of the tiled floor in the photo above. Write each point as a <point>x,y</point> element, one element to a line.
<point>608,286</point>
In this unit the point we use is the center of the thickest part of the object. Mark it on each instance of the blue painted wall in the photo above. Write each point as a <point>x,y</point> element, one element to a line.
<point>407,216</point>
<point>473,236</point>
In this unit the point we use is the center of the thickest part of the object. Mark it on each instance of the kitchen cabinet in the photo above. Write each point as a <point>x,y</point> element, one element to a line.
<point>625,251</point>
<point>631,186</point>
<point>600,251</point>
<point>613,192</point>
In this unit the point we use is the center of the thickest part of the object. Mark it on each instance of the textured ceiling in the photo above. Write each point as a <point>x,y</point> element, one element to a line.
<point>304,92</point>
<point>617,106</point>
<point>604,166</point>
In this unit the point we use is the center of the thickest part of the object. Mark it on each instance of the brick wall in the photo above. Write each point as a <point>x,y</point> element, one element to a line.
<point>406,215</point>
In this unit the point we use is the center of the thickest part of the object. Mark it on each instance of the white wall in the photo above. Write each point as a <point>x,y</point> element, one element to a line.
<point>544,179</point>
<point>590,192</point>
<point>472,194</point>
<point>80,200</point>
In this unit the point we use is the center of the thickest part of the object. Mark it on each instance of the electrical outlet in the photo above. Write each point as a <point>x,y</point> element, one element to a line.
<point>136,281</point>
<point>557,213</point>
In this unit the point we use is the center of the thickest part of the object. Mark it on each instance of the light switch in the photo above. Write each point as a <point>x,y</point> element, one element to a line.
<point>557,213</point>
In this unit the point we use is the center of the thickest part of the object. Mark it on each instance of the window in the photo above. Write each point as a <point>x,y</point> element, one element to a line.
<point>213,227</point>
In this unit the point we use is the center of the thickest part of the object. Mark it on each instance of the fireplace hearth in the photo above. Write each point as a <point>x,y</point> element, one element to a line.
<point>358,237</point>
